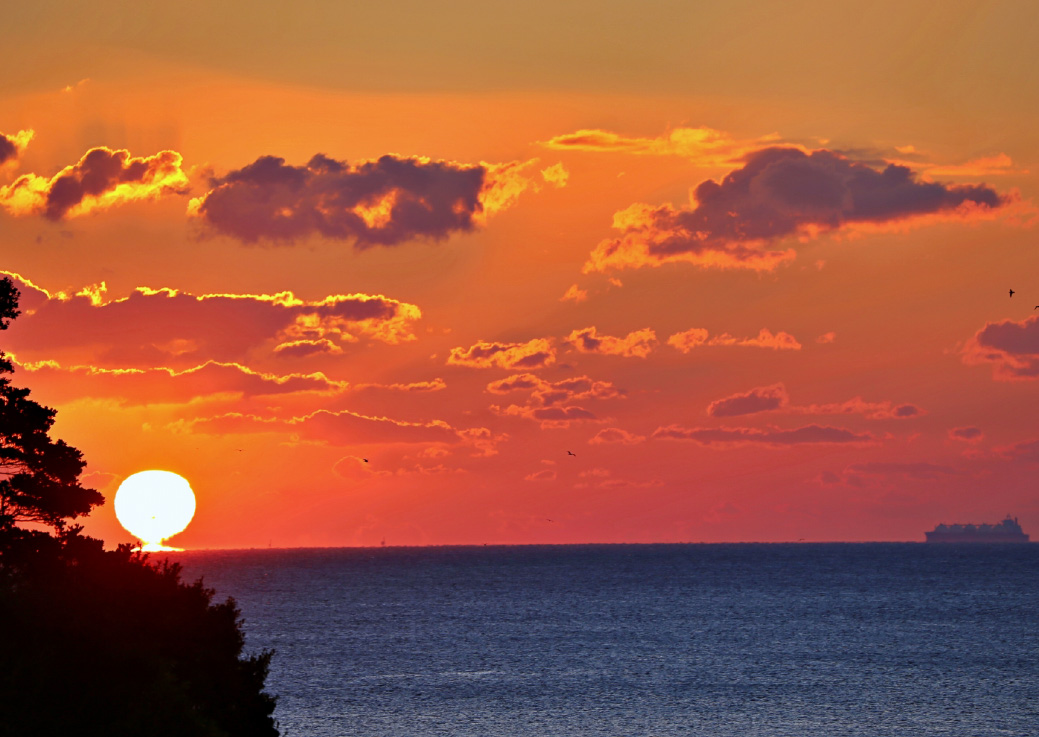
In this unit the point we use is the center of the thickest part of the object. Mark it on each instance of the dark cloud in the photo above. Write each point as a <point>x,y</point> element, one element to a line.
<point>8,148</point>
<point>778,192</point>
<point>162,327</point>
<point>760,399</point>
<point>1011,347</point>
<point>1027,451</point>
<point>772,436</point>
<point>381,202</point>
<point>774,398</point>
<point>967,434</point>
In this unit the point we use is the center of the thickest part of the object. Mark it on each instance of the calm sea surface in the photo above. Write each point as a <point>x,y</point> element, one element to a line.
<point>644,640</point>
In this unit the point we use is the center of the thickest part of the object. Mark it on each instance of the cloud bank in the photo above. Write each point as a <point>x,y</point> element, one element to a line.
<point>164,327</point>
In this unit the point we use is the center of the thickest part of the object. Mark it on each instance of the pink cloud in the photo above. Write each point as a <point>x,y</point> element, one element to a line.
<point>616,435</point>
<point>809,434</point>
<point>872,472</point>
<point>545,474</point>
<point>760,399</point>
<point>1012,347</point>
<point>167,327</point>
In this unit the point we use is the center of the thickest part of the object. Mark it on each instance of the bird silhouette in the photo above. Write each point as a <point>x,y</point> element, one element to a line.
<point>1011,292</point>
<point>571,453</point>
<point>365,460</point>
<point>1035,308</point>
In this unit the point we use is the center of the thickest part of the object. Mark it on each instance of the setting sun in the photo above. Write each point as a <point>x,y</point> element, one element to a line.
<point>154,505</point>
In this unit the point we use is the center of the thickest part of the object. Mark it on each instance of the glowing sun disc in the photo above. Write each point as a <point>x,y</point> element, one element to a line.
<point>154,505</point>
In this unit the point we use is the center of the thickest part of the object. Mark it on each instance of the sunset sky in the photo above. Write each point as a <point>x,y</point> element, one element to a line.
<point>748,262</point>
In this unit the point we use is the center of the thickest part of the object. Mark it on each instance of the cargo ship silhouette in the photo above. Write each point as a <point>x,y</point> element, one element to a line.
<point>1007,531</point>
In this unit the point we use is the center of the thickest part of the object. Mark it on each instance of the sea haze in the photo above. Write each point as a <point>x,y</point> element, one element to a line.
<point>740,640</point>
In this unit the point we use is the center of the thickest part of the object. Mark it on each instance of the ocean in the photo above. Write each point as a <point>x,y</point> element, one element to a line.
<point>741,640</point>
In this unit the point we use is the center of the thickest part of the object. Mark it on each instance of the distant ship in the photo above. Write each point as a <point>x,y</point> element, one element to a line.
<point>1007,531</point>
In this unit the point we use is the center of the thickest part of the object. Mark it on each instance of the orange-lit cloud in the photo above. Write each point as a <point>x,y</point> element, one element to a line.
<point>696,337</point>
<point>504,183</point>
<point>103,178</point>
<point>384,202</point>
<point>147,386</point>
<point>774,398</point>
<point>704,146</point>
<point>554,417</point>
<point>435,385</point>
<point>574,294</point>
<point>335,428</point>
<point>759,399</point>
<point>547,393</point>
<point>638,343</point>
<point>535,353</point>
<point>809,434</point>
<point>549,402</point>
<point>780,192</point>
<point>1012,347</point>
<point>305,348</point>
<point>11,146</point>
<point>163,327</point>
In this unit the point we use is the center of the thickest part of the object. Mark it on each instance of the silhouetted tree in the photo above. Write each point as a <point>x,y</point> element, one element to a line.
<point>103,642</point>
<point>39,477</point>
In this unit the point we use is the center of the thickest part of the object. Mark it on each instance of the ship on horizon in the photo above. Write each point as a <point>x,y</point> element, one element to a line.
<point>1007,531</point>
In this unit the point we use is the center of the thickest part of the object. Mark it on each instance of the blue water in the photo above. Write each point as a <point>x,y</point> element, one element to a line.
<point>644,640</point>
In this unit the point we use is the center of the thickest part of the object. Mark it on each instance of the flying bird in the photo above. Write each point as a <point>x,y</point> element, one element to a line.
<point>571,453</point>
<point>1011,292</point>
<point>365,460</point>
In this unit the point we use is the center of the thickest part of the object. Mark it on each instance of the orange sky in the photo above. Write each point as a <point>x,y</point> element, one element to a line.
<point>748,262</point>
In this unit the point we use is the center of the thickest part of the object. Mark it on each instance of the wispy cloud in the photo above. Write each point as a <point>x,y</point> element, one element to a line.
<point>809,434</point>
<point>696,337</point>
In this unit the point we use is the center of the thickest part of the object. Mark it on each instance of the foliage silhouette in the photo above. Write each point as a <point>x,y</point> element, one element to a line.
<point>103,642</point>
